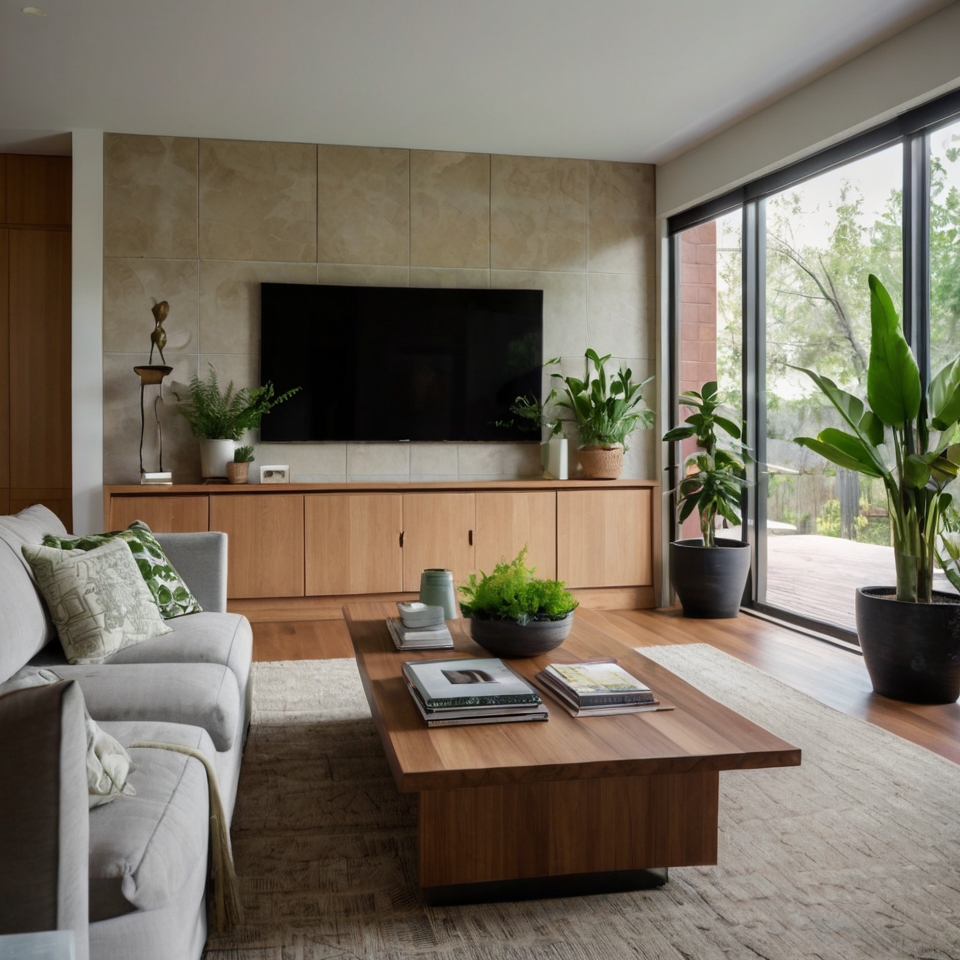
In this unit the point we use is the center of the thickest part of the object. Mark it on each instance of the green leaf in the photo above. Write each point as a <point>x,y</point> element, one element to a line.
<point>945,396</point>
<point>916,471</point>
<point>729,426</point>
<point>871,426</point>
<point>678,433</point>
<point>838,456</point>
<point>893,380</point>
<point>849,406</point>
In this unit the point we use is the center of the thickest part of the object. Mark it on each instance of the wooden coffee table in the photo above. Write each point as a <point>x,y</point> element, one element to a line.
<point>517,810</point>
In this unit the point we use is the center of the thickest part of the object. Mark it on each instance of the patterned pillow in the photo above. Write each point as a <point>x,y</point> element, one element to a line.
<point>170,593</point>
<point>97,599</point>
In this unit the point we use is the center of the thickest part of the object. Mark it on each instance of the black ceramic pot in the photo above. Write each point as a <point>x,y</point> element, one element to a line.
<point>912,650</point>
<point>506,638</point>
<point>709,580</point>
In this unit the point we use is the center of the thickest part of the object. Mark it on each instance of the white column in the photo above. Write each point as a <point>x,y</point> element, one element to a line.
<point>87,363</point>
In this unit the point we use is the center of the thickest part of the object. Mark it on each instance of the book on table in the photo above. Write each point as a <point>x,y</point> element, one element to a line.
<point>597,688</point>
<point>419,638</point>
<point>453,692</point>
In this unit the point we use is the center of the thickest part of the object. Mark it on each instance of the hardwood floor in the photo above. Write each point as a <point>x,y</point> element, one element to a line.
<point>831,675</point>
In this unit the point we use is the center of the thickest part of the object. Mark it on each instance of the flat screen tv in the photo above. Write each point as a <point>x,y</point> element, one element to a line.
<point>398,363</point>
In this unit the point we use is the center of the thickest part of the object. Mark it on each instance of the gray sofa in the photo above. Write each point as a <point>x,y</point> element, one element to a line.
<point>136,867</point>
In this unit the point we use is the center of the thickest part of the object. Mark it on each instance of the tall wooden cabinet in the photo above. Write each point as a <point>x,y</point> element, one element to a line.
<point>35,334</point>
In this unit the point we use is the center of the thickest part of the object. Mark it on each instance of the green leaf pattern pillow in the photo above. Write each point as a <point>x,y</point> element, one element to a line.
<point>170,593</point>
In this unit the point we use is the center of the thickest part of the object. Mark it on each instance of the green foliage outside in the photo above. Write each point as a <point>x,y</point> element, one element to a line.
<point>225,415</point>
<point>512,592</point>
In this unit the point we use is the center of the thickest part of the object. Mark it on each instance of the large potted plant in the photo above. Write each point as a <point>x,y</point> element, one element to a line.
<point>709,573</point>
<point>909,634</point>
<point>512,613</point>
<point>218,418</point>
<point>606,411</point>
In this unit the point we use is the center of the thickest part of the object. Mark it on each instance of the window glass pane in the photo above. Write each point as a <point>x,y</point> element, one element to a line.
<point>710,320</point>
<point>827,530</point>
<point>944,245</point>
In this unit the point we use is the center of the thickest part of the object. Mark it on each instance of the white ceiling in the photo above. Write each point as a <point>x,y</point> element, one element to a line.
<point>637,80</point>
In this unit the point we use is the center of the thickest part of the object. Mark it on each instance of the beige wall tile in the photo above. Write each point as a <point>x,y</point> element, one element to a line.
<point>308,462</point>
<point>621,221</point>
<point>378,460</point>
<point>363,275</point>
<point>564,306</point>
<point>230,301</point>
<point>619,317</point>
<point>121,422</point>
<point>258,201</point>
<point>449,209</point>
<point>461,278</point>
<point>538,210</point>
<point>433,460</point>
<point>149,196</point>
<point>131,287</point>
<point>363,205</point>
<point>499,460</point>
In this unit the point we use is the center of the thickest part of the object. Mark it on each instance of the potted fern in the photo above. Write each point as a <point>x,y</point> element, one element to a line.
<point>709,574</point>
<point>910,439</point>
<point>512,613</point>
<point>606,411</point>
<point>218,418</point>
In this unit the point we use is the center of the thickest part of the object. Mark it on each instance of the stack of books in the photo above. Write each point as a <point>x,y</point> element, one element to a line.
<point>452,693</point>
<point>419,627</point>
<point>597,688</point>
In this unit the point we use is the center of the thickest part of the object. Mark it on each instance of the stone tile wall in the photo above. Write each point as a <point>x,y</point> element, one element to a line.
<point>202,223</point>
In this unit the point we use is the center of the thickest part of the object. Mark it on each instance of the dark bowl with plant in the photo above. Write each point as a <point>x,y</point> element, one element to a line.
<point>709,574</point>
<point>512,613</point>
<point>909,438</point>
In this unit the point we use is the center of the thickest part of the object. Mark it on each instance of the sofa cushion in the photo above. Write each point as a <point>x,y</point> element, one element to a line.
<point>199,694</point>
<point>144,848</point>
<point>97,599</point>
<point>224,638</point>
<point>171,595</point>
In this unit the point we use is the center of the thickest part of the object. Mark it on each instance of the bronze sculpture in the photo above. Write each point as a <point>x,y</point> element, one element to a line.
<point>158,338</point>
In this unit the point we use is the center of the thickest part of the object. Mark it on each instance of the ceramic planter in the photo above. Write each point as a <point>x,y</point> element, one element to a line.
<point>507,638</point>
<point>214,457</point>
<point>554,458</point>
<point>709,580</point>
<point>602,463</point>
<point>912,650</point>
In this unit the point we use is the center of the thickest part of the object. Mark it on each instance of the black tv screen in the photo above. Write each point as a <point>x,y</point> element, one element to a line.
<point>398,363</point>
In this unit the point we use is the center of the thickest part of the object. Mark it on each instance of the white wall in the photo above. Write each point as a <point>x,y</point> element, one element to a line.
<point>87,308</point>
<point>904,71</point>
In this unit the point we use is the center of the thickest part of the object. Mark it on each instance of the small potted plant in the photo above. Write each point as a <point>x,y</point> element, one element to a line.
<point>709,574</point>
<point>238,470</point>
<point>514,614</point>
<point>909,438</point>
<point>606,411</point>
<point>218,418</point>
<point>530,414</point>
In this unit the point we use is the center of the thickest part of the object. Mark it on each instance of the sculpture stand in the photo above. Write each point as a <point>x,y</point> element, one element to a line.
<point>152,376</point>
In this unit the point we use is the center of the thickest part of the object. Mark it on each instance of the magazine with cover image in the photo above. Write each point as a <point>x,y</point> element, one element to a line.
<point>459,716</point>
<point>597,683</point>
<point>468,683</point>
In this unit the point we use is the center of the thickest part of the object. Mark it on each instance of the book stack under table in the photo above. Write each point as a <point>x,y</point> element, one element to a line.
<point>596,688</point>
<point>456,692</point>
<point>419,627</point>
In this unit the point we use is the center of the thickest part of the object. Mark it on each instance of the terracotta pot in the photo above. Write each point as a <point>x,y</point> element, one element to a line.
<point>602,463</point>
<point>238,472</point>
<point>911,650</point>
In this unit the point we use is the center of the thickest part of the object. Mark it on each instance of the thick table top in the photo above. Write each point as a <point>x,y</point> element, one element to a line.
<point>699,735</point>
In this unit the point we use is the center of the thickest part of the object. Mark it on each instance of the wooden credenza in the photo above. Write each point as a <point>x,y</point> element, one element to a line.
<point>302,550</point>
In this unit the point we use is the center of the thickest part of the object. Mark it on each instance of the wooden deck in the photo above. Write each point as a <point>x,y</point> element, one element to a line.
<point>818,576</point>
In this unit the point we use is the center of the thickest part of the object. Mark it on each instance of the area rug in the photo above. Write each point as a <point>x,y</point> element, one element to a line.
<point>854,854</point>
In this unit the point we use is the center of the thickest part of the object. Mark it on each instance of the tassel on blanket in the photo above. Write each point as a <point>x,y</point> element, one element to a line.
<point>225,909</point>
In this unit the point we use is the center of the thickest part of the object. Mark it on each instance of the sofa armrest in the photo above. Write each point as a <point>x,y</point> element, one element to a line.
<point>44,813</point>
<point>201,560</point>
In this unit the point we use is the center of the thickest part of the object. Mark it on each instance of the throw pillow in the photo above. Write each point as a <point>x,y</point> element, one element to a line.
<point>170,593</point>
<point>98,601</point>
<point>108,763</point>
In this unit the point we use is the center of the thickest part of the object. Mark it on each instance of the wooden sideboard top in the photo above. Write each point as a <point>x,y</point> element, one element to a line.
<point>159,490</point>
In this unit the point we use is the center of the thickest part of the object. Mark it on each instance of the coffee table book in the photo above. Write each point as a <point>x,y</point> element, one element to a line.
<point>462,716</point>
<point>482,682</point>
<point>596,683</point>
<point>434,638</point>
<point>601,710</point>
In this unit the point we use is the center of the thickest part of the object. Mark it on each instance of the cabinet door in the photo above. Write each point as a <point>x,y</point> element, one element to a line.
<point>161,514</point>
<point>508,520</point>
<point>266,543</point>
<point>437,532</point>
<point>603,538</point>
<point>352,543</point>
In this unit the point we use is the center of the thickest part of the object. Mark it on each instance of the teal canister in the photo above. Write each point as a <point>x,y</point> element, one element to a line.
<point>436,589</point>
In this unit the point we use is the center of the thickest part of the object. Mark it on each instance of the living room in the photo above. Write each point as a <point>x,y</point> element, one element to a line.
<point>569,152</point>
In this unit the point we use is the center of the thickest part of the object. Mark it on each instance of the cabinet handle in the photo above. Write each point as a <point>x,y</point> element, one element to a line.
<point>401,538</point>
<point>470,538</point>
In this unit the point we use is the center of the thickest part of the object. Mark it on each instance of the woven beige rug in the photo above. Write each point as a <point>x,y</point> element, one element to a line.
<point>855,854</point>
